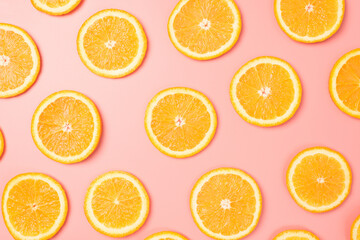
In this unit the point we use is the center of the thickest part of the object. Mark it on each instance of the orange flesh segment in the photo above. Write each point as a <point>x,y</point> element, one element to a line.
<point>230,221</point>
<point>307,173</point>
<point>55,3</point>
<point>194,115</point>
<point>33,207</point>
<point>120,37</point>
<point>272,76</point>
<point>312,23</point>
<point>348,83</point>
<point>116,203</point>
<point>296,238</point>
<point>17,52</point>
<point>63,114</point>
<point>358,234</point>
<point>187,25</point>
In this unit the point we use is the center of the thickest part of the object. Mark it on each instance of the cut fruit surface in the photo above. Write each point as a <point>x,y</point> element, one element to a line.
<point>66,127</point>
<point>296,235</point>
<point>180,122</point>
<point>2,144</point>
<point>116,204</point>
<point>344,84</point>
<point>34,206</point>
<point>166,236</point>
<point>355,229</point>
<point>266,91</point>
<point>204,29</point>
<point>19,61</point>
<point>309,20</point>
<point>226,204</point>
<point>319,179</point>
<point>55,7</point>
<point>112,43</point>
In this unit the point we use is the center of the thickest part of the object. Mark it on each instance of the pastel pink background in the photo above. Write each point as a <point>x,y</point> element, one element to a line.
<point>263,152</point>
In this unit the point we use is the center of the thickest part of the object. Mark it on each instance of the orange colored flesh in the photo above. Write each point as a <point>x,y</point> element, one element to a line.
<point>194,114</point>
<point>188,32</point>
<point>358,234</point>
<point>54,3</point>
<point>51,124</point>
<point>120,215</point>
<point>296,238</point>
<point>348,83</point>
<point>111,28</point>
<point>243,203</point>
<point>305,180</point>
<point>264,75</point>
<point>13,75</point>
<point>23,217</point>
<point>322,18</point>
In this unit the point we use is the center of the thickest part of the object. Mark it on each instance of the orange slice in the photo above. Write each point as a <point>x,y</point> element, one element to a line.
<point>180,122</point>
<point>19,61</point>
<point>112,43</point>
<point>204,29</point>
<point>66,127</point>
<point>355,230</point>
<point>166,236</point>
<point>116,204</point>
<point>319,179</point>
<point>2,144</point>
<point>344,84</point>
<point>34,206</point>
<point>296,235</point>
<point>309,21</point>
<point>55,7</point>
<point>266,91</point>
<point>226,204</point>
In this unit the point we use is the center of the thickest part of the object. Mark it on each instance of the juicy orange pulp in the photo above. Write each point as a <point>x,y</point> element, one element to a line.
<point>111,43</point>
<point>180,121</point>
<point>66,126</point>
<point>54,3</point>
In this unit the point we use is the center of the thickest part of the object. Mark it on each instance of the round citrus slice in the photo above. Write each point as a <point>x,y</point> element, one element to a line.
<point>319,179</point>
<point>55,7</point>
<point>112,43</point>
<point>166,236</point>
<point>204,29</point>
<point>355,230</point>
<point>344,84</point>
<point>266,91</point>
<point>66,127</point>
<point>116,204</point>
<point>180,122</point>
<point>34,206</point>
<point>2,144</point>
<point>226,204</point>
<point>309,21</point>
<point>296,235</point>
<point>19,61</point>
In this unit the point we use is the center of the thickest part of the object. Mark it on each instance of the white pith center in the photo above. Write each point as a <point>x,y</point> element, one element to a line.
<point>225,204</point>
<point>320,180</point>
<point>309,8</point>
<point>264,92</point>
<point>110,44</point>
<point>179,121</point>
<point>4,60</point>
<point>116,202</point>
<point>33,206</point>
<point>67,127</point>
<point>205,24</point>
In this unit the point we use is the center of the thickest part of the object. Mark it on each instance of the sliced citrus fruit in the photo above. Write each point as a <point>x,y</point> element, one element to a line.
<point>180,122</point>
<point>204,29</point>
<point>344,84</point>
<point>319,179</point>
<point>19,61</point>
<point>166,236</point>
<point>66,127</point>
<point>266,91</point>
<point>34,206</point>
<point>309,21</point>
<point>116,204</point>
<point>2,144</point>
<point>55,7</point>
<point>226,204</point>
<point>355,230</point>
<point>112,43</point>
<point>296,235</point>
